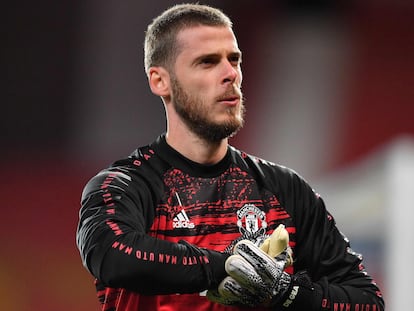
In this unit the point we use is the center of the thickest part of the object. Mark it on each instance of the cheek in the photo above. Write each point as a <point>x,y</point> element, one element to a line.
<point>203,91</point>
<point>240,79</point>
<point>195,84</point>
<point>200,86</point>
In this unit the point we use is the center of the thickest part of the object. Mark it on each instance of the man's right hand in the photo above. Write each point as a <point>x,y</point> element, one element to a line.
<point>256,275</point>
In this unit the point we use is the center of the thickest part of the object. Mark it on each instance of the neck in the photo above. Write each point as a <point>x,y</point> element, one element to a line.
<point>197,149</point>
<point>189,144</point>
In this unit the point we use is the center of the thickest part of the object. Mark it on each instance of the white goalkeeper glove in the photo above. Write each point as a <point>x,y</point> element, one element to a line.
<point>256,275</point>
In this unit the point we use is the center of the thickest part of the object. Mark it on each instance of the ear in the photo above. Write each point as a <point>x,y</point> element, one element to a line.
<point>159,81</point>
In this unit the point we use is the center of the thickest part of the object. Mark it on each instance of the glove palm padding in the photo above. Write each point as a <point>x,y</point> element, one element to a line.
<point>255,277</point>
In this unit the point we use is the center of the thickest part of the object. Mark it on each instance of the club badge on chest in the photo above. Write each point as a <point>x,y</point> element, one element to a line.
<point>252,223</point>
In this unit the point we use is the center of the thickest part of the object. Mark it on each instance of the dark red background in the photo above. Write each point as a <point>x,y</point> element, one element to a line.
<point>42,176</point>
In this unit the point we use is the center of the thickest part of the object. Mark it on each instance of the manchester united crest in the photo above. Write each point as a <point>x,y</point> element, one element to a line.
<point>251,222</point>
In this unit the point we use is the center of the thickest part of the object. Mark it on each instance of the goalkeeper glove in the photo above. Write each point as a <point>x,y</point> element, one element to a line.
<point>256,275</point>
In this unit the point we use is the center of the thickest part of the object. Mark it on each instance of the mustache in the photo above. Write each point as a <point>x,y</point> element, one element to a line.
<point>231,93</point>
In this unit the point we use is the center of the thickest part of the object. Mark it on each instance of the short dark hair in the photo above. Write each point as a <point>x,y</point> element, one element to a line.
<point>160,46</point>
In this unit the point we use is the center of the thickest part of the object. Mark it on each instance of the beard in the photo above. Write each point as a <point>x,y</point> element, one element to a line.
<point>195,113</point>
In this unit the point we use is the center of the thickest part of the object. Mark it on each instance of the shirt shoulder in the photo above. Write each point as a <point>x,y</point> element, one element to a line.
<point>142,169</point>
<point>261,168</point>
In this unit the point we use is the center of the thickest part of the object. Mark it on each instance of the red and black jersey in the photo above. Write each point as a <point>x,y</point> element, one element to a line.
<point>156,228</point>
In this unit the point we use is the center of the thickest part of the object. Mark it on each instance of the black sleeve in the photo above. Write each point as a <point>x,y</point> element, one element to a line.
<point>331,276</point>
<point>115,247</point>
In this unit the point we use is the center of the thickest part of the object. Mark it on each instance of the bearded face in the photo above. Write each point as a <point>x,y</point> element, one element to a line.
<point>200,115</point>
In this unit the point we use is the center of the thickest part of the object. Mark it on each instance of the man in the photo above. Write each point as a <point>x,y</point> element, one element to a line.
<point>184,223</point>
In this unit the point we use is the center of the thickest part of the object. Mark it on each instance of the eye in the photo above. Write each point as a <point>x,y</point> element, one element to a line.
<point>208,61</point>
<point>235,60</point>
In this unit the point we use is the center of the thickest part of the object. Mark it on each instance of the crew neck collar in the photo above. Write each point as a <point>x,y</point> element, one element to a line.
<point>177,160</point>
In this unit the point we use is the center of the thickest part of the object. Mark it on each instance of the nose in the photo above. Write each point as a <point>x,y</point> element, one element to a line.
<point>231,72</point>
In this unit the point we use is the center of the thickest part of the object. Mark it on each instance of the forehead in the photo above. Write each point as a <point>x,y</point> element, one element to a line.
<point>197,40</point>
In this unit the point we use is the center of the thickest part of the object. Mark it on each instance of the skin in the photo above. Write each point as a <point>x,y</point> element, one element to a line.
<point>208,70</point>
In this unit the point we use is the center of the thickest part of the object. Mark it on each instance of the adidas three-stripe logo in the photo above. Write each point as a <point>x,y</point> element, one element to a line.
<point>181,220</point>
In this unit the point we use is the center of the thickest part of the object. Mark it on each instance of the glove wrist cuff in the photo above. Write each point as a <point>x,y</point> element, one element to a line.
<point>301,286</point>
<point>282,288</point>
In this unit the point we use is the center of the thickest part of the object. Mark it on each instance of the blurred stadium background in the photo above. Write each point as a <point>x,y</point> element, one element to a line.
<point>329,88</point>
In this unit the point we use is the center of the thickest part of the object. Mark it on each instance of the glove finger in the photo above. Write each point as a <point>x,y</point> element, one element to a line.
<point>265,246</point>
<point>214,296</point>
<point>231,290</point>
<point>286,256</point>
<point>244,273</point>
<point>266,267</point>
<point>279,241</point>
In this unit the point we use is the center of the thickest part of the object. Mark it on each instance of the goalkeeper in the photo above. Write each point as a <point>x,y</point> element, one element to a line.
<point>189,222</point>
